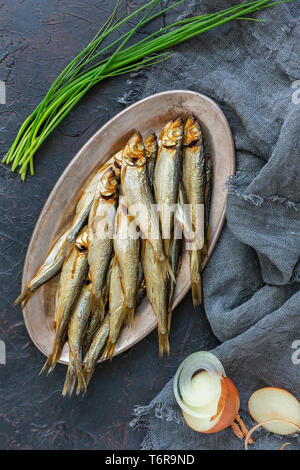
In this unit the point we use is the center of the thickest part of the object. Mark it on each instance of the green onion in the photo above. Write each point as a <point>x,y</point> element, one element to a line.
<point>91,66</point>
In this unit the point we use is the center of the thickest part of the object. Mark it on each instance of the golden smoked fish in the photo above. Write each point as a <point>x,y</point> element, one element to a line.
<point>156,290</point>
<point>96,316</point>
<point>100,230</point>
<point>139,200</point>
<point>193,178</point>
<point>167,176</point>
<point>117,314</point>
<point>98,343</point>
<point>72,277</point>
<point>175,254</point>
<point>51,266</point>
<point>76,330</point>
<point>61,248</point>
<point>127,253</point>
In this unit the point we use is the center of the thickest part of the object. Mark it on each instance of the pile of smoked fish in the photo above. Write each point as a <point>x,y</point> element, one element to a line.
<point>114,254</point>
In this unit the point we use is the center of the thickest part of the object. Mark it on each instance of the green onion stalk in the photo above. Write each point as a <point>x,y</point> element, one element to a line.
<point>96,63</point>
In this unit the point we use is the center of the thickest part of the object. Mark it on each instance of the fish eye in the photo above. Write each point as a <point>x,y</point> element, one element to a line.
<point>81,248</point>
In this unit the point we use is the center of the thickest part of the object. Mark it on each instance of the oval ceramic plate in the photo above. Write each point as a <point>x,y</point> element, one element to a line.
<point>146,116</point>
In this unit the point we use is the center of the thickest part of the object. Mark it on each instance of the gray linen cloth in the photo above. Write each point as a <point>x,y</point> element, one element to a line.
<point>251,284</point>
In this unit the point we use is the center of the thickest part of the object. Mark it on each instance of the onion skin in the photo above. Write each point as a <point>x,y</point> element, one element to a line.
<point>259,425</point>
<point>228,407</point>
<point>230,402</point>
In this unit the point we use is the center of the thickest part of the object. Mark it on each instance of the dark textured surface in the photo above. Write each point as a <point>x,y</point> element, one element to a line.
<point>37,39</point>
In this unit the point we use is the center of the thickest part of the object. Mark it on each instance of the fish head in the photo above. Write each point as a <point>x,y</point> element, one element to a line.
<point>171,134</point>
<point>192,131</point>
<point>134,152</point>
<point>82,241</point>
<point>150,146</point>
<point>108,184</point>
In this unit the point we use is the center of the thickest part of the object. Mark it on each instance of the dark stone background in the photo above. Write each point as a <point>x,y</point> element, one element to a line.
<point>37,39</point>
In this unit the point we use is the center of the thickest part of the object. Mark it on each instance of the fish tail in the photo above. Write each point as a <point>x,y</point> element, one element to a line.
<point>206,241</point>
<point>167,242</point>
<point>160,308</point>
<point>128,315</point>
<point>88,372</point>
<point>204,250</point>
<point>52,358</point>
<point>81,381</point>
<point>169,320</point>
<point>197,293</point>
<point>170,304</point>
<point>163,343</point>
<point>46,365</point>
<point>70,381</point>
<point>23,297</point>
<point>196,279</point>
<point>94,351</point>
<point>167,270</point>
<point>74,372</point>
<point>73,383</point>
<point>109,350</point>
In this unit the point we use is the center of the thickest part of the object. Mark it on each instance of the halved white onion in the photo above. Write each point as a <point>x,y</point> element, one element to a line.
<point>276,409</point>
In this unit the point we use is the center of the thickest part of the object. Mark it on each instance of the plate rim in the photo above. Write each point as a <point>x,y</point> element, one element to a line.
<point>72,163</point>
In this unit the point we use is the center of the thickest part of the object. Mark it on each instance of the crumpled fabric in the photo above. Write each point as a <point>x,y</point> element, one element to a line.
<point>251,284</point>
